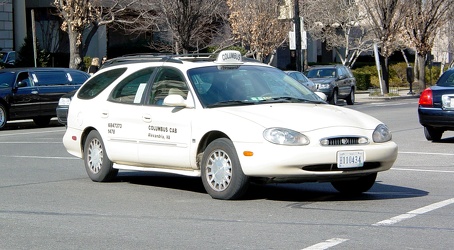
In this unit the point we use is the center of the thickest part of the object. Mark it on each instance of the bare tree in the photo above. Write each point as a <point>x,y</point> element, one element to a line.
<point>182,25</point>
<point>80,15</point>
<point>424,19</point>
<point>255,24</point>
<point>340,25</point>
<point>385,18</point>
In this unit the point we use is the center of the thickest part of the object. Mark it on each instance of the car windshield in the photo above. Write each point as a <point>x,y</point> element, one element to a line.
<point>321,73</point>
<point>447,79</point>
<point>246,85</point>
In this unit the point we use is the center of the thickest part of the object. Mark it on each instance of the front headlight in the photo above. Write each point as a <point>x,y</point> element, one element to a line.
<point>283,136</point>
<point>64,101</point>
<point>381,134</point>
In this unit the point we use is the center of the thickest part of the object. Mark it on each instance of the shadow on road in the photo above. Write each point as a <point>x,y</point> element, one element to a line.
<point>303,192</point>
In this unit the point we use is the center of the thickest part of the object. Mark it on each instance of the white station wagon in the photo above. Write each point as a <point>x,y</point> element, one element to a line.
<point>226,119</point>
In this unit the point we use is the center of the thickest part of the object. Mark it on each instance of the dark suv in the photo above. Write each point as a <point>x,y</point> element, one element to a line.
<point>33,93</point>
<point>336,81</point>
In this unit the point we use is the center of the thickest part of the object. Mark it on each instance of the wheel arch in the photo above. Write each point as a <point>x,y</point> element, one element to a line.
<point>83,138</point>
<point>205,141</point>
<point>5,104</point>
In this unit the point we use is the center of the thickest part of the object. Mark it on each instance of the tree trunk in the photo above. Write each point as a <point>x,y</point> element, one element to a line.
<point>385,73</point>
<point>420,71</point>
<point>74,51</point>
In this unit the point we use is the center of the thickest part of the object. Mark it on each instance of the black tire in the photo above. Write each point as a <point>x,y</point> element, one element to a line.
<point>222,175</point>
<point>97,164</point>
<point>334,98</point>
<point>351,97</point>
<point>42,121</point>
<point>3,116</point>
<point>358,186</point>
<point>433,134</point>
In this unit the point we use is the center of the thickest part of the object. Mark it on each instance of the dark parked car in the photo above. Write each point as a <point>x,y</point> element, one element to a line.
<point>63,107</point>
<point>436,107</point>
<point>335,81</point>
<point>33,93</point>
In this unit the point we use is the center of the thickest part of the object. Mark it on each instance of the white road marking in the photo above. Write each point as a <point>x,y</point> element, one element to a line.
<point>414,213</point>
<point>30,142</point>
<point>423,170</point>
<point>40,157</point>
<point>427,153</point>
<point>325,245</point>
<point>30,133</point>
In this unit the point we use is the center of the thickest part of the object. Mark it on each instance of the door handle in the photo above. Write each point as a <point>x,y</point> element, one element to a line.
<point>146,118</point>
<point>104,114</point>
<point>34,92</point>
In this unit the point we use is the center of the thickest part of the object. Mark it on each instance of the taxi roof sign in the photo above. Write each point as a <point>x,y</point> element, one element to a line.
<point>229,57</point>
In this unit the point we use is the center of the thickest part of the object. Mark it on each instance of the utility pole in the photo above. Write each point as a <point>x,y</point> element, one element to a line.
<point>296,19</point>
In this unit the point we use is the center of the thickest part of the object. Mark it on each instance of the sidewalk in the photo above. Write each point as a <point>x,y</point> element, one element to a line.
<point>366,96</point>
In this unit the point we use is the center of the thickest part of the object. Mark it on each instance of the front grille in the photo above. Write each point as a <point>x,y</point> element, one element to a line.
<point>343,141</point>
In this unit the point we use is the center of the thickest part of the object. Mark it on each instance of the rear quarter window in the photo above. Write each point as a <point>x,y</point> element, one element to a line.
<point>98,83</point>
<point>447,79</point>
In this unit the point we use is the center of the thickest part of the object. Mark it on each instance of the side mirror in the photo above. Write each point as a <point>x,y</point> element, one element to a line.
<point>176,101</point>
<point>22,84</point>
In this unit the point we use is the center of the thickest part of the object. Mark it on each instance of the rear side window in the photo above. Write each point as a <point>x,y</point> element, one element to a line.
<point>131,89</point>
<point>98,83</point>
<point>49,77</point>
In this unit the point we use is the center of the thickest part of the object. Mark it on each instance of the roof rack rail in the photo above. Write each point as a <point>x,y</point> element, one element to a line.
<point>164,57</point>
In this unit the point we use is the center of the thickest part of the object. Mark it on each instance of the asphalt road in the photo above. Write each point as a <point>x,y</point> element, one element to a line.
<point>48,202</point>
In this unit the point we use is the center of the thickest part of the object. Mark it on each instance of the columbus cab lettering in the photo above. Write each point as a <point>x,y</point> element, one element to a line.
<point>161,132</point>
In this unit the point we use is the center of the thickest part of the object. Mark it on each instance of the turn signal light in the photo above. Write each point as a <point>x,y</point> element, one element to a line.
<point>248,153</point>
<point>426,98</point>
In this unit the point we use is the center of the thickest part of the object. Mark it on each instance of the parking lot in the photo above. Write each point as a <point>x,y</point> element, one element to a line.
<point>48,202</point>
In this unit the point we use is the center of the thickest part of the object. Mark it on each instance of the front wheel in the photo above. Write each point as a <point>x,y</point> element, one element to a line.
<point>351,97</point>
<point>3,116</point>
<point>222,175</point>
<point>357,186</point>
<point>334,98</point>
<point>97,164</point>
<point>432,134</point>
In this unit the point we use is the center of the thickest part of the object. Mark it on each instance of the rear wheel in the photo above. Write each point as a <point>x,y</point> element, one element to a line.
<point>97,164</point>
<point>433,134</point>
<point>351,97</point>
<point>222,175</point>
<point>3,116</point>
<point>334,98</point>
<point>357,186</point>
<point>42,121</point>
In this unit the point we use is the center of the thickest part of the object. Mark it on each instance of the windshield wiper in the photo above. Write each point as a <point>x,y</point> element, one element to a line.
<point>288,99</point>
<point>229,103</point>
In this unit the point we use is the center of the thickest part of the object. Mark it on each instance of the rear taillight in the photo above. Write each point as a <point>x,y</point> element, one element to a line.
<point>426,98</point>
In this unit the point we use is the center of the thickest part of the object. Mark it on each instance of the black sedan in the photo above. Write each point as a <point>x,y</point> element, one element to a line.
<point>33,93</point>
<point>436,107</point>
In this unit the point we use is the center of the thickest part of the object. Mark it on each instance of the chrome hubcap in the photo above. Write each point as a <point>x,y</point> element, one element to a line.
<point>95,156</point>
<point>219,170</point>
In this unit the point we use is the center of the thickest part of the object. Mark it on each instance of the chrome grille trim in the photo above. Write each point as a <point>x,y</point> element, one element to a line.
<point>341,141</point>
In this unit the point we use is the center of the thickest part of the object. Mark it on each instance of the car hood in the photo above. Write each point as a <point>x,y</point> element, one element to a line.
<point>321,80</point>
<point>303,117</point>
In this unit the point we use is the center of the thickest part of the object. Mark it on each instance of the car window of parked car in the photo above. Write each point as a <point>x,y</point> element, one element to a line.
<point>131,89</point>
<point>7,79</point>
<point>98,83</point>
<point>55,77</point>
<point>447,79</point>
<point>76,77</point>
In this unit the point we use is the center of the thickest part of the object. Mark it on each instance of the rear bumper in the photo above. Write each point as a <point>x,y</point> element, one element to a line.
<point>436,117</point>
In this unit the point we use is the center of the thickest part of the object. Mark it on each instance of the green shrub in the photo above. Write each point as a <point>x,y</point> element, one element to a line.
<point>362,80</point>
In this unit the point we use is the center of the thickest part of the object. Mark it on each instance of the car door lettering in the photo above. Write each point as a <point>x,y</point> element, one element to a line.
<point>158,132</point>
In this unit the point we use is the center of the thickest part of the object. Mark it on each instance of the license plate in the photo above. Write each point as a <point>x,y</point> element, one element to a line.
<point>350,159</point>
